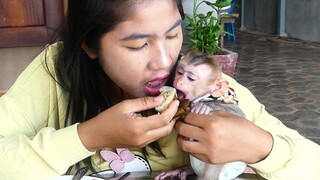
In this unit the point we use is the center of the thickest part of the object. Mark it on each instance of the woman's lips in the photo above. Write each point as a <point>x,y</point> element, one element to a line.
<point>153,87</point>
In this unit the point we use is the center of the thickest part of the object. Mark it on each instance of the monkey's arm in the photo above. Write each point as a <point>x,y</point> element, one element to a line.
<point>205,107</point>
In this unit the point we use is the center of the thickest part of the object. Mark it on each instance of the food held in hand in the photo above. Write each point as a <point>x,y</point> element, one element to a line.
<point>169,94</point>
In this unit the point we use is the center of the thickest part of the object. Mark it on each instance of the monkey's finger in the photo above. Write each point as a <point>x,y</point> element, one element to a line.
<point>205,109</point>
<point>196,108</point>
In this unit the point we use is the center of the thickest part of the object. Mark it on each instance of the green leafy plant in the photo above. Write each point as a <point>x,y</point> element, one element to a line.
<point>203,30</point>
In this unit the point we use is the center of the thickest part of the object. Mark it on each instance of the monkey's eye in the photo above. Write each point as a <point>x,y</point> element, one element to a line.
<point>180,71</point>
<point>191,78</point>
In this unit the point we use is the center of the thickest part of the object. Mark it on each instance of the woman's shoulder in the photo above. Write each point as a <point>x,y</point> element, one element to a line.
<point>51,51</point>
<point>55,47</point>
<point>37,73</point>
<point>231,81</point>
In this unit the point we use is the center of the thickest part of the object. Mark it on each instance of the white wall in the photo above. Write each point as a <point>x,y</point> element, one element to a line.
<point>188,9</point>
<point>188,6</point>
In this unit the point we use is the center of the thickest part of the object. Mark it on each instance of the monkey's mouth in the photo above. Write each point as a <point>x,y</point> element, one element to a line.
<point>181,95</point>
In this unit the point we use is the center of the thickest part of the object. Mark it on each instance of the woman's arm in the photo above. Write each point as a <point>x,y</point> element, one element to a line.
<point>30,113</point>
<point>33,136</point>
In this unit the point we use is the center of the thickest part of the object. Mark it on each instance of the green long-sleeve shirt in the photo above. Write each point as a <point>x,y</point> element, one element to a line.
<point>34,144</point>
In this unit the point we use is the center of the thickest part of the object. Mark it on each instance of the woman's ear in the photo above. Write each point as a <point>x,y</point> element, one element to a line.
<point>91,53</point>
<point>220,88</point>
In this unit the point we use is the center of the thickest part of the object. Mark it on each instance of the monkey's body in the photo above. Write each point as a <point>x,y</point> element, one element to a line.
<point>204,170</point>
<point>222,171</point>
<point>198,78</point>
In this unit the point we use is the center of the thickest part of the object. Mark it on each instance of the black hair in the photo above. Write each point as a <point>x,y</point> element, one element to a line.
<point>90,90</point>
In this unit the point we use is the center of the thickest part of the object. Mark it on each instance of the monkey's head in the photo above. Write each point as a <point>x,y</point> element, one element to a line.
<point>196,75</point>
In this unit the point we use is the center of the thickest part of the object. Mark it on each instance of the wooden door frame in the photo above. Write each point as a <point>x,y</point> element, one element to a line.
<point>38,35</point>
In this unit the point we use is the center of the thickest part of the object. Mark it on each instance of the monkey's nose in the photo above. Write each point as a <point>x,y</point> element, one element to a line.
<point>180,81</point>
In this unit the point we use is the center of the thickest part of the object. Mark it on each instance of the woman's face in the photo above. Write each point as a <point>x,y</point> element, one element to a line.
<point>140,52</point>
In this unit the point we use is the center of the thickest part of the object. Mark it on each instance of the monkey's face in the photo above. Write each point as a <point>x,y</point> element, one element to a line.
<point>192,81</point>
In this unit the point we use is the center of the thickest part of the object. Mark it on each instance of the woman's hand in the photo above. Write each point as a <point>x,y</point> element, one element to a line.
<point>221,137</point>
<point>121,126</point>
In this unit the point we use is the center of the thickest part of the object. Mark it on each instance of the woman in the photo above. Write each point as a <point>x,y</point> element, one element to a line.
<point>83,95</point>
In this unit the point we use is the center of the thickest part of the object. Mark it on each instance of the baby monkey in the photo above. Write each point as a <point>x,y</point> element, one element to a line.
<point>198,79</point>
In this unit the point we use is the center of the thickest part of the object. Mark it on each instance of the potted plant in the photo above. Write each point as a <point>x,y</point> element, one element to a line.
<point>204,30</point>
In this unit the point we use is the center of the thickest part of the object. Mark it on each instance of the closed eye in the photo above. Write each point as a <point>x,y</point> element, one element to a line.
<point>138,48</point>
<point>191,79</point>
<point>180,72</point>
<point>172,37</point>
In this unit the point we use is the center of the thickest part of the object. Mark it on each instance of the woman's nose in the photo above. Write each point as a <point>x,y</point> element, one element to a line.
<point>161,58</point>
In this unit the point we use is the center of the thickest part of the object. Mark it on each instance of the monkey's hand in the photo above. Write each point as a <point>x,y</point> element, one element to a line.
<point>201,108</point>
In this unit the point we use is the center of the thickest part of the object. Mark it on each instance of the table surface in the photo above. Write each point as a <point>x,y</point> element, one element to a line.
<point>148,175</point>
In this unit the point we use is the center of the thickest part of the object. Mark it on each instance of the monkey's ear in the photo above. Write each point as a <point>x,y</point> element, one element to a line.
<point>91,53</point>
<point>220,87</point>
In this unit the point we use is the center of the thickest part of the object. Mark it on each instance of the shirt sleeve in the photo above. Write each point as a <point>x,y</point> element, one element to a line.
<point>34,144</point>
<point>292,156</point>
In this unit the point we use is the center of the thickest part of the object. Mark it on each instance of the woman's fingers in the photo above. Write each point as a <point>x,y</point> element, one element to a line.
<point>159,125</point>
<point>144,130</point>
<point>141,104</point>
<point>160,120</point>
<point>129,129</point>
<point>157,133</point>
